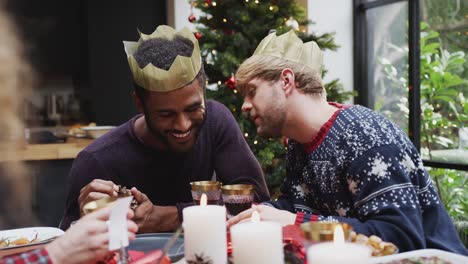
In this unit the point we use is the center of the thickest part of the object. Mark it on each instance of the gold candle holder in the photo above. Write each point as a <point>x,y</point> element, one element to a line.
<point>98,204</point>
<point>210,188</point>
<point>323,231</point>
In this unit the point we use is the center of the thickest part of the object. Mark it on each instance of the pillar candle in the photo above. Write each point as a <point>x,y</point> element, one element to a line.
<point>205,232</point>
<point>338,251</point>
<point>257,242</point>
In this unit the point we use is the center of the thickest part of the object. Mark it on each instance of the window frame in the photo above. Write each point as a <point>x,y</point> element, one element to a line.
<point>360,8</point>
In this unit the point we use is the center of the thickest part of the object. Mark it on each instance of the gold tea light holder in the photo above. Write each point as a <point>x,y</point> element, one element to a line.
<point>98,204</point>
<point>316,232</point>
<point>212,189</point>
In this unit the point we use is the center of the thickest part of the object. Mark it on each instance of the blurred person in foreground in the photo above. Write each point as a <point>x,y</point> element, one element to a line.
<point>178,138</point>
<point>344,163</point>
<point>85,242</point>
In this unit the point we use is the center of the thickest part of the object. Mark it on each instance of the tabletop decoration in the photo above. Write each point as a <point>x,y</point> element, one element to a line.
<point>205,233</point>
<point>338,251</point>
<point>257,242</point>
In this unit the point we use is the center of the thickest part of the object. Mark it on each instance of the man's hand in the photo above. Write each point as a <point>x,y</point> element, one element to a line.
<point>87,241</point>
<point>266,213</point>
<point>95,190</point>
<point>151,218</point>
<point>143,211</point>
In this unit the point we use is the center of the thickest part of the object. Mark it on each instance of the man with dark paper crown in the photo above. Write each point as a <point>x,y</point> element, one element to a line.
<point>344,163</point>
<point>180,137</point>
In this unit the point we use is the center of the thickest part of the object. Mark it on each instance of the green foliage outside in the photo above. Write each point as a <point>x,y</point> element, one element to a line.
<point>230,32</point>
<point>443,111</point>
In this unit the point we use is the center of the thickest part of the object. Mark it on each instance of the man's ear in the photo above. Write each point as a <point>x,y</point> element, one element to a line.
<point>138,102</point>
<point>288,80</point>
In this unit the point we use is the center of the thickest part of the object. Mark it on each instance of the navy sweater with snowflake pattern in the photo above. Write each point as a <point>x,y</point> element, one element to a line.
<point>363,170</point>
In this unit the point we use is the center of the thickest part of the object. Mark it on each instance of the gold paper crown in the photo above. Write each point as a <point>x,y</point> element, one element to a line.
<point>290,47</point>
<point>182,71</point>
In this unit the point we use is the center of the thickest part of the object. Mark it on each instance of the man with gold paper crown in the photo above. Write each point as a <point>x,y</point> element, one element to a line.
<point>180,137</point>
<point>344,163</point>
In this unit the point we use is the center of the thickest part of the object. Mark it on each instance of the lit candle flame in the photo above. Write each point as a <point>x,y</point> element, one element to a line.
<point>203,200</point>
<point>255,218</point>
<point>338,235</point>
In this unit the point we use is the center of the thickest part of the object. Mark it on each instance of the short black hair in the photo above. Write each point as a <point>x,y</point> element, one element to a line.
<point>162,53</point>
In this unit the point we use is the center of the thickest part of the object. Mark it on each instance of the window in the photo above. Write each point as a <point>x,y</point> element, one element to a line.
<point>414,72</point>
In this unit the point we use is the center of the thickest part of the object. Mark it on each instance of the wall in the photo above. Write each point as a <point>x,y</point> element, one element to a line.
<point>335,16</point>
<point>327,18</point>
<point>109,93</point>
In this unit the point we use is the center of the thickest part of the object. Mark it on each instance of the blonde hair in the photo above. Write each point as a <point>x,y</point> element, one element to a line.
<point>15,81</point>
<point>269,68</point>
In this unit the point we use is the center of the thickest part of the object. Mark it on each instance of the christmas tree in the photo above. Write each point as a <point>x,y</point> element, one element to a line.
<point>228,32</point>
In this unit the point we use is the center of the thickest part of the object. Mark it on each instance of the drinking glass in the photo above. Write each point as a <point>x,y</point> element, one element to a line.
<point>237,198</point>
<point>210,188</point>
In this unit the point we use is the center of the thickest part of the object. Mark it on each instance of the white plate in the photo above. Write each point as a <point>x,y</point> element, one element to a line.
<point>44,235</point>
<point>445,255</point>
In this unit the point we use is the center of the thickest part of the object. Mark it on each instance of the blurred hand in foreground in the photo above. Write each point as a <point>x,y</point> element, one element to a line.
<point>87,240</point>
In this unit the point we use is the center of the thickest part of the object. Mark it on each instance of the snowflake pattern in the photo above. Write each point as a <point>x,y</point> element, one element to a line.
<point>364,165</point>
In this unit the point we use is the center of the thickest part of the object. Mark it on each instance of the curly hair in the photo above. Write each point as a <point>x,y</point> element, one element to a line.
<point>162,53</point>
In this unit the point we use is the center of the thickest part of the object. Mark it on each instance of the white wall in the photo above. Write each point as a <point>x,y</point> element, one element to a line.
<point>328,15</point>
<point>178,12</point>
<point>335,16</point>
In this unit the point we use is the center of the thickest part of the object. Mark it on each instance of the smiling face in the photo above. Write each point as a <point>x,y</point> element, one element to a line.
<point>265,105</point>
<point>174,118</point>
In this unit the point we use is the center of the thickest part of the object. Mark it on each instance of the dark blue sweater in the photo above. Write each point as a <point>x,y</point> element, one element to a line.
<point>363,170</point>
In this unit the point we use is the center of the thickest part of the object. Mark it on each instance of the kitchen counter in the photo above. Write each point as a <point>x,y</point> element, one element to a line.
<point>60,151</point>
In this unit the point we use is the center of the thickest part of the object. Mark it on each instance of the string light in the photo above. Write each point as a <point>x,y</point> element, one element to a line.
<point>235,91</point>
<point>271,8</point>
<point>246,1</point>
<point>246,135</point>
<point>219,82</point>
<point>224,20</point>
<point>256,1</point>
<point>255,142</point>
<point>213,4</point>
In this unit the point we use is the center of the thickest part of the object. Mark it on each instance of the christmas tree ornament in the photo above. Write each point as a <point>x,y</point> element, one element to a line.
<point>292,23</point>
<point>198,35</point>
<point>192,18</point>
<point>207,2</point>
<point>231,82</point>
<point>228,31</point>
<point>182,71</point>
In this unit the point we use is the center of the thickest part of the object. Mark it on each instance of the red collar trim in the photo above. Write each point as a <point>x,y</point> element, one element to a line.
<point>315,141</point>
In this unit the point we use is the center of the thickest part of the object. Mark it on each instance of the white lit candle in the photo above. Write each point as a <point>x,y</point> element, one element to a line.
<point>257,242</point>
<point>338,252</point>
<point>205,232</point>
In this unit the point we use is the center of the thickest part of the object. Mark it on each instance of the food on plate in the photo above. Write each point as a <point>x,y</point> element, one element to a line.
<point>420,260</point>
<point>76,130</point>
<point>124,192</point>
<point>16,241</point>
<point>378,246</point>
